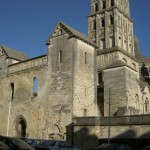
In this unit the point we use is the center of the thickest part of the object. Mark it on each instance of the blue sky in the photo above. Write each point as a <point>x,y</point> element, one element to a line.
<point>25,25</point>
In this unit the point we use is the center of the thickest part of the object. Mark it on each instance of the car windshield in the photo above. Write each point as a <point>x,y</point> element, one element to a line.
<point>21,144</point>
<point>48,143</point>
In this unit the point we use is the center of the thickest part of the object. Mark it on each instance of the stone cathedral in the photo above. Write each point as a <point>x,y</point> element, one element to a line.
<point>70,92</point>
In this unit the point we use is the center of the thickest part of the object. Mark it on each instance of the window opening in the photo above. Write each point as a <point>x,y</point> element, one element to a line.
<point>96,7</point>
<point>12,92</point>
<point>85,57</point>
<point>104,4</point>
<point>102,43</point>
<point>60,56</point>
<point>94,24</point>
<point>111,19</point>
<point>112,2</point>
<point>35,86</point>
<point>102,21</point>
<point>100,78</point>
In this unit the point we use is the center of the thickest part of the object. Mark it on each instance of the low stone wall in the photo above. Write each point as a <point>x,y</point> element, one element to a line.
<point>121,127</point>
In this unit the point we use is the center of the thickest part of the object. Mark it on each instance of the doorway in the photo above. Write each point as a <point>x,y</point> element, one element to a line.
<point>21,127</point>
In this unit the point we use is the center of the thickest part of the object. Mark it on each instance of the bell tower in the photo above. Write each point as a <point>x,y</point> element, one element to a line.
<point>109,25</point>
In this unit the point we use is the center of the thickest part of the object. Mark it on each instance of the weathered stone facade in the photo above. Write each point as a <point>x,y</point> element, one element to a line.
<point>42,96</point>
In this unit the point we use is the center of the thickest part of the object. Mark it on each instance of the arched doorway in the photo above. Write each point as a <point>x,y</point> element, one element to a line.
<point>21,127</point>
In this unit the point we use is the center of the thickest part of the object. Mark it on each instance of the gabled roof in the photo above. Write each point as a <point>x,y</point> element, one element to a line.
<point>73,32</point>
<point>11,53</point>
<point>141,58</point>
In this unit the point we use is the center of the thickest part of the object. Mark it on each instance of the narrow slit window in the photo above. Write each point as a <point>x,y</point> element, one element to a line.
<point>94,24</point>
<point>35,86</point>
<point>60,56</point>
<point>85,57</point>
<point>96,7</point>
<point>104,4</point>
<point>111,19</point>
<point>12,91</point>
<point>100,78</point>
<point>102,21</point>
<point>112,2</point>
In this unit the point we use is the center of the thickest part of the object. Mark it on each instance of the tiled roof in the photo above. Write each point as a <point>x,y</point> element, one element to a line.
<point>11,53</point>
<point>75,33</point>
<point>141,58</point>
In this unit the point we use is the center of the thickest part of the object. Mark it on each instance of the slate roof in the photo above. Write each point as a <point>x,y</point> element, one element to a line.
<point>141,58</point>
<point>75,33</point>
<point>11,53</point>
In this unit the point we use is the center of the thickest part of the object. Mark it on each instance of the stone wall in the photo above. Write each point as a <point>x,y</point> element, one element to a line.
<point>121,127</point>
<point>84,83</point>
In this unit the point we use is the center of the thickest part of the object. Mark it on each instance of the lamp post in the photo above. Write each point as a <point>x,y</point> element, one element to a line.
<point>8,120</point>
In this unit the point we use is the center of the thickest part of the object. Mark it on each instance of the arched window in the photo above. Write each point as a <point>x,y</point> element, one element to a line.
<point>35,86</point>
<point>11,91</point>
<point>60,56</point>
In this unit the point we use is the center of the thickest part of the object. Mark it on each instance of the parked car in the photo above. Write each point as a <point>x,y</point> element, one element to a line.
<point>32,142</point>
<point>146,148</point>
<point>3,146</point>
<point>55,145</point>
<point>16,143</point>
<point>112,146</point>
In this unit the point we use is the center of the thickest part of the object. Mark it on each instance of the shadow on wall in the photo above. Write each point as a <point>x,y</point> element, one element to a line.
<point>130,137</point>
<point>81,138</point>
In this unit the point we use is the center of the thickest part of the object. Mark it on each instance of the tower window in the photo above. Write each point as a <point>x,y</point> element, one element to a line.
<point>60,56</point>
<point>100,78</point>
<point>96,7</point>
<point>111,19</point>
<point>94,24</point>
<point>102,22</point>
<point>35,86</point>
<point>12,91</point>
<point>103,4</point>
<point>112,2</point>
